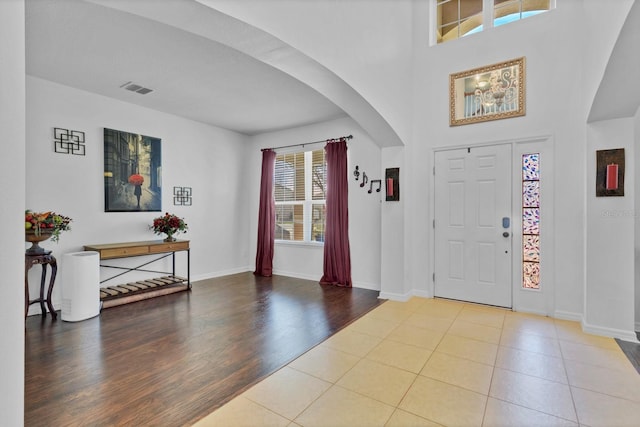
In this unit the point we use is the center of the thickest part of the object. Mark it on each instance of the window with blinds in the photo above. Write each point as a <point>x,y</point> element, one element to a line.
<point>300,193</point>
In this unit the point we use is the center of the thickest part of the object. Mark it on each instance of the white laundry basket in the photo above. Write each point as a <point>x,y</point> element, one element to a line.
<point>80,285</point>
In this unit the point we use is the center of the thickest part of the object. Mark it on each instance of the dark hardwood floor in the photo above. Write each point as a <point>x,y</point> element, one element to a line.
<point>632,351</point>
<point>171,360</point>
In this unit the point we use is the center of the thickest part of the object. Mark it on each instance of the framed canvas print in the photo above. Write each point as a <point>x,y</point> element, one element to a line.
<point>132,172</point>
<point>487,93</point>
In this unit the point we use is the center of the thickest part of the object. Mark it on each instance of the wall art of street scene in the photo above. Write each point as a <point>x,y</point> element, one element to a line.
<point>132,172</point>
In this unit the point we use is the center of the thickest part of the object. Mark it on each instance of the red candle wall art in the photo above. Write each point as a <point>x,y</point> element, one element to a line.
<point>392,184</point>
<point>610,172</point>
<point>611,182</point>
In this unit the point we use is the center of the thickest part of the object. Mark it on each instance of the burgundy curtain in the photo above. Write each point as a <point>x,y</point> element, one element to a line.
<point>337,256</point>
<point>266,217</point>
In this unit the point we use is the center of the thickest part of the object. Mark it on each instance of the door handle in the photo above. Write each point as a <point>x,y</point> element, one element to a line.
<point>505,234</point>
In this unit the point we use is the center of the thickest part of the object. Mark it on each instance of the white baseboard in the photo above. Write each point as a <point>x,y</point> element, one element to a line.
<point>567,315</point>
<point>422,294</point>
<point>365,285</point>
<point>296,275</point>
<point>215,274</point>
<point>395,297</point>
<point>359,285</point>
<point>529,311</point>
<point>610,332</point>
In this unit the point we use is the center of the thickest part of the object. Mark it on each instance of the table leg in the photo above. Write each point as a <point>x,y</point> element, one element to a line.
<point>54,271</point>
<point>26,294</point>
<point>42,279</point>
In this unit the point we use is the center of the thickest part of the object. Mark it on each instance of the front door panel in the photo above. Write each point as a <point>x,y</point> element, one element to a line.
<point>472,245</point>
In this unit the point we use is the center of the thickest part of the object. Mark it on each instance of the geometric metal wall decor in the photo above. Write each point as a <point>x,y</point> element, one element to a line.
<point>182,196</point>
<point>68,141</point>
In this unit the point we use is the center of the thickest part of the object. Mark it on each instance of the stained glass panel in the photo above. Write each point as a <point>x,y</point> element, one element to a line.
<point>531,194</point>
<point>531,248</point>
<point>531,221</point>
<point>531,167</point>
<point>531,275</point>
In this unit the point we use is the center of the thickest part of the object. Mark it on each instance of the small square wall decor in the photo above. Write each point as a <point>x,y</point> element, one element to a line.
<point>182,196</point>
<point>68,141</point>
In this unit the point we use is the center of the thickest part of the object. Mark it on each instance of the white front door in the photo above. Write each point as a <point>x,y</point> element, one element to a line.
<point>473,225</point>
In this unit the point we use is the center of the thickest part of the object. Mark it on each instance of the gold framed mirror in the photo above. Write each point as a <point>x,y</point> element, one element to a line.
<point>492,92</point>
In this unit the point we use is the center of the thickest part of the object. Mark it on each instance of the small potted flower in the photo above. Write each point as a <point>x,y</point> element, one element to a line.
<point>169,224</point>
<point>40,226</point>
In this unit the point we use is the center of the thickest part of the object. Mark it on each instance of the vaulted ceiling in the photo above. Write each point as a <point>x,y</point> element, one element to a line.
<point>619,93</point>
<point>103,50</point>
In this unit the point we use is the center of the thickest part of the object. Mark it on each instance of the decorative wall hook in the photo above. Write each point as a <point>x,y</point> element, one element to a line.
<point>365,179</point>
<point>375,181</point>
<point>356,172</point>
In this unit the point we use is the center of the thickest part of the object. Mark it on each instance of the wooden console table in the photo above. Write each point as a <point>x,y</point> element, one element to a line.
<point>114,295</point>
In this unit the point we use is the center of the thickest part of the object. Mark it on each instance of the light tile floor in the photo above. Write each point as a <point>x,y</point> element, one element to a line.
<point>430,362</point>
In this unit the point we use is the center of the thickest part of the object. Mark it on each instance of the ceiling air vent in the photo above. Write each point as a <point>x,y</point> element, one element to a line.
<point>136,88</point>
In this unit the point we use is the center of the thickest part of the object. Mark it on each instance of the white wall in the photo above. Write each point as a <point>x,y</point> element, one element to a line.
<point>636,217</point>
<point>210,160</point>
<point>610,221</point>
<point>609,302</point>
<point>12,172</point>
<point>394,233</point>
<point>560,90</point>
<point>552,108</point>
<point>305,260</point>
<point>598,45</point>
<point>366,43</point>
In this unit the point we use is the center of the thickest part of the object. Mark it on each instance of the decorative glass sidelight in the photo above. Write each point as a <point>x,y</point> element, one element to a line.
<point>531,221</point>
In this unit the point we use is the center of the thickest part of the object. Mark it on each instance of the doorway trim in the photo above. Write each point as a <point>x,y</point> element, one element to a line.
<point>542,301</point>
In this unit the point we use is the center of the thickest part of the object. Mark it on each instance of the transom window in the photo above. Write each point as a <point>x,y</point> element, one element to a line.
<point>459,18</point>
<point>300,196</point>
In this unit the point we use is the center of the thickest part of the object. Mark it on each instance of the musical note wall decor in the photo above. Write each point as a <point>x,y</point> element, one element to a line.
<point>375,181</point>
<point>391,182</point>
<point>365,179</point>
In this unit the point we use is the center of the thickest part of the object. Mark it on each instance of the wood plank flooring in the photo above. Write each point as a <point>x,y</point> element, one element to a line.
<point>632,351</point>
<point>171,360</point>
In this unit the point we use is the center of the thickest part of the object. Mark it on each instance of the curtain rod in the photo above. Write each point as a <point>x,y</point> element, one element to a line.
<point>309,143</point>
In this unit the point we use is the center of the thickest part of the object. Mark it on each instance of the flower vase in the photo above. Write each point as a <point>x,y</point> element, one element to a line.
<point>170,237</point>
